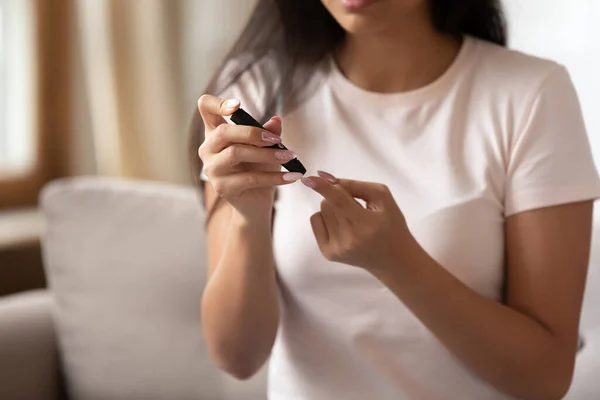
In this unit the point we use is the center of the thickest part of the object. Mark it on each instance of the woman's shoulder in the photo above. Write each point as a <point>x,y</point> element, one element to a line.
<point>513,70</point>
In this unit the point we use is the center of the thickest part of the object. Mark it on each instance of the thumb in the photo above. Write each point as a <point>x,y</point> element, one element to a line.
<point>274,126</point>
<point>371,192</point>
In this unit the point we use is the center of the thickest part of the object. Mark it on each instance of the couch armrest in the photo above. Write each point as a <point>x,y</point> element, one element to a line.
<point>28,353</point>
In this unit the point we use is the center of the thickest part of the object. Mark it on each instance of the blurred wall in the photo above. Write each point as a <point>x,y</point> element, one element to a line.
<point>567,31</point>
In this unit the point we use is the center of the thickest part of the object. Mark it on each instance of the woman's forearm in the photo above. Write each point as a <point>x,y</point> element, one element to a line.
<point>508,349</point>
<point>240,303</point>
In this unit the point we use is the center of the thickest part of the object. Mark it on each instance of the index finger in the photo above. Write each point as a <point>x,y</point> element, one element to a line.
<point>213,109</point>
<point>334,194</point>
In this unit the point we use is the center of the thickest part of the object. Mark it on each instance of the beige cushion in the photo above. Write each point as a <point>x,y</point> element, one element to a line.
<point>126,263</point>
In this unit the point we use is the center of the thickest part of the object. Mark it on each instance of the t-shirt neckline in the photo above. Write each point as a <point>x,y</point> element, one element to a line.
<point>434,89</point>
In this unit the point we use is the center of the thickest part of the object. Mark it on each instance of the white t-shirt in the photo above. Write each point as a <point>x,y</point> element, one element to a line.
<point>499,133</point>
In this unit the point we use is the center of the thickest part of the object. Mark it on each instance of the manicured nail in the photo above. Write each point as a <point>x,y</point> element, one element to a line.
<point>285,155</point>
<point>270,137</point>
<point>232,103</point>
<point>309,183</point>
<point>292,176</point>
<point>327,176</point>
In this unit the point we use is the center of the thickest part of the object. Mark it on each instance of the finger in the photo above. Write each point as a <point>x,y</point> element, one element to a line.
<point>239,153</point>
<point>319,230</point>
<point>341,200</point>
<point>238,183</point>
<point>373,193</point>
<point>212,109</point>
<point>330,218</point>
<point>327,176</point>
<point>226,134</point>
<point>274,125</point>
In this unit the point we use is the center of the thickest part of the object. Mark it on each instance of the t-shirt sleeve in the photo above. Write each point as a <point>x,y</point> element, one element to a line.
<point>255,86</point>
<point>550,160</point>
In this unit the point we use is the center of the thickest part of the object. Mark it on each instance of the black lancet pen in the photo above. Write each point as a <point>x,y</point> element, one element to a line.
<point>241,117</point>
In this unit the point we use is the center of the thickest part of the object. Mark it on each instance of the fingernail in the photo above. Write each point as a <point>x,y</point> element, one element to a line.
<point>284,155</point>
<point>278,119</point>
<point>327,176</point>
<point>270,137</point>
<point>232,103</point>
<point>292,176</point>
<point>309,183</point>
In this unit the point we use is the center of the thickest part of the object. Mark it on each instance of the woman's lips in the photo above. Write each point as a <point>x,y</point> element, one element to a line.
<point>357,5</point>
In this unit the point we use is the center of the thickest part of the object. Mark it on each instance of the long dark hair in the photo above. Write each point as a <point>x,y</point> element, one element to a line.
<point>297,34</point>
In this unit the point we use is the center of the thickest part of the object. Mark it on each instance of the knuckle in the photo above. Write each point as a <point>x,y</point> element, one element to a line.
<point>219,131</point>
<point>315,218</point>
<point>219,187</point>
<point>249,134</point>
<point>203,101</point>
<point>350,244</point>
<point>337,201</point>
<point>329,253</point>
<point>233,152</point>
<point>352,186</point>
<point>251,180</point>
<point>323,205</point>
<point>335,255</point>
<point>208,169</point>
<point>342,249</point>
<point>204,152</point>
<point>382,188</point>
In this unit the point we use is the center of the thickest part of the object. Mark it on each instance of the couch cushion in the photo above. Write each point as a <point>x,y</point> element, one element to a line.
<point>126,264</point>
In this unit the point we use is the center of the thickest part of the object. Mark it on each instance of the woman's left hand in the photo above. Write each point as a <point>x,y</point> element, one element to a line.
<point>374,237</point>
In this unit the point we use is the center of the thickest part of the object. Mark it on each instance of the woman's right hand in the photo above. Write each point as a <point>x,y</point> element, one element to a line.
<point>236,161</point>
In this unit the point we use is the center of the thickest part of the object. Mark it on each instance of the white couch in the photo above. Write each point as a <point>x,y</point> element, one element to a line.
<point>126,267</point>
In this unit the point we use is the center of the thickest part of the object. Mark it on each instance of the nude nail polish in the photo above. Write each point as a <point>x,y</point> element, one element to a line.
<point>284,155</point>
<point>232,103</point>
<point>309,183</point>
<point>270,137</point>
<point>292,176</point>
<point>327,176</point>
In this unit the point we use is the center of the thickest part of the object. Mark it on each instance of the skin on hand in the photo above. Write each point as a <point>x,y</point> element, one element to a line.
<point>366,237</point>
<point>236,158</point>
<point>525,347</point>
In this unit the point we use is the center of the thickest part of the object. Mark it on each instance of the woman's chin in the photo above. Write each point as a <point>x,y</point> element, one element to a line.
<point>357,24</point>
<point>358,16</point>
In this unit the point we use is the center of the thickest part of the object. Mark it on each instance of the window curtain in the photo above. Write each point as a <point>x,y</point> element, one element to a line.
<point>141,66</point>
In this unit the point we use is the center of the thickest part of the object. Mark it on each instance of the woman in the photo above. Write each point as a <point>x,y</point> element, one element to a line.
<point>460,274</point>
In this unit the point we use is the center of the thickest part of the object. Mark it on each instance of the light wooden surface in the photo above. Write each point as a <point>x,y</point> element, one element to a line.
<point>20,227</point>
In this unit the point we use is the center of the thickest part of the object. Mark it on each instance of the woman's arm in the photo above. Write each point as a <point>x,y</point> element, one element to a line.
<point>527,347</point>
<point>240,303</point>
<point>240,310</point>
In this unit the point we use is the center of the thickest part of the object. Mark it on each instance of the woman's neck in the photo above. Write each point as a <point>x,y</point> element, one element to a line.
<point>399,61</point>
